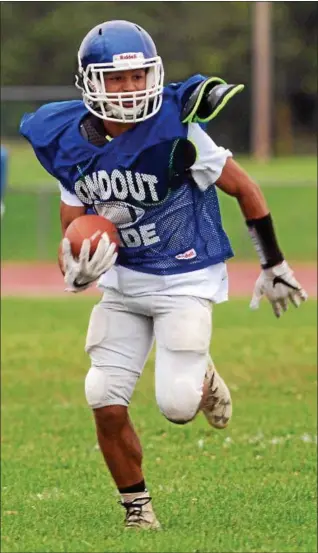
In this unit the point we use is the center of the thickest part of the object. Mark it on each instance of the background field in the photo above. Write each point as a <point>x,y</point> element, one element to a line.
<point>26,171</point>
<point>251,487</point>
<point>31,228</point>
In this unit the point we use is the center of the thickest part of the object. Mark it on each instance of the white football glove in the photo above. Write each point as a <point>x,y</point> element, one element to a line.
<point>82,272</point>
<point>278,285</point>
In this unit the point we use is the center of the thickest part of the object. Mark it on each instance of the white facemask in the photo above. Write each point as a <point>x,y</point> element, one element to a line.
<point>110,106</point>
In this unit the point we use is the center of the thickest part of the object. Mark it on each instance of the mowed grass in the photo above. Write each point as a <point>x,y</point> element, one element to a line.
<point>251,487</point>
<point>25,171</point>
<point>31,226</point>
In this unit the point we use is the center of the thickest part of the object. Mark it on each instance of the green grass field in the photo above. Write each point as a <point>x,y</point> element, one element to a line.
<point>31,229</point>
<point>249,488</point>
<point>26,172</point>
<point>27,235</point>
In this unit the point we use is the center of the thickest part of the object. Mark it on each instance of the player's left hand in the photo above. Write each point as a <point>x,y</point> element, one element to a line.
<point>279,286</point>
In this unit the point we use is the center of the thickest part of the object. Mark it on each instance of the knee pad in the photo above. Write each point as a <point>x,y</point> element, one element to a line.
<point>180,402</point>
<point>96,387</point>
<point>101,390</point>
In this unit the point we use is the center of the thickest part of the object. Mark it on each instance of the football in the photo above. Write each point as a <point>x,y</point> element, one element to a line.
<point>91,227</point>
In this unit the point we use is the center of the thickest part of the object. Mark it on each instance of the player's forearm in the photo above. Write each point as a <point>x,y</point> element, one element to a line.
<point>67,214</point>
<point>252,202</point>
<point>60,260</point>
<point>235,182</point>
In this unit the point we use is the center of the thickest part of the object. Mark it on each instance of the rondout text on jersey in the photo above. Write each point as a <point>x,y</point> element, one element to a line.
<point>119,185</point>
<point>108,192</point>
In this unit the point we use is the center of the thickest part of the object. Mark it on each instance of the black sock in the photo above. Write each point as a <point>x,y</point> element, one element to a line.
<point>140,487</point>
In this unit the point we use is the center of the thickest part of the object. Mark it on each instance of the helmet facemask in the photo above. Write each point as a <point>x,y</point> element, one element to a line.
<point>110,105</point>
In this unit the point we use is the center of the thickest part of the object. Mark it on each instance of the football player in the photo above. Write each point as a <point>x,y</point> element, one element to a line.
<point>135,151</point>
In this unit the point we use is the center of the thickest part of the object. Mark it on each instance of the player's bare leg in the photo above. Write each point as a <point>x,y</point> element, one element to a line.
<point>216,403</point>
<point>122,452</point>
<point>119,444</point>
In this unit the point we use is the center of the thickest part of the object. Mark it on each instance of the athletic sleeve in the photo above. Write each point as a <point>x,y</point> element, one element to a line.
<point>68,198</point>
<point>210,158</point>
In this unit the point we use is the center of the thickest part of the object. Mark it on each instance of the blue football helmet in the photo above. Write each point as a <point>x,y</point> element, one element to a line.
<point>119,46</point>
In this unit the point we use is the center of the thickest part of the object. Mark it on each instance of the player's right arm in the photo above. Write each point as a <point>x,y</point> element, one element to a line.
<point>80,273</point>
<point>67,214</point>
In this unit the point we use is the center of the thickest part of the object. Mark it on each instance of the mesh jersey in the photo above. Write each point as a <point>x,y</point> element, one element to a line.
<point>167,225</point>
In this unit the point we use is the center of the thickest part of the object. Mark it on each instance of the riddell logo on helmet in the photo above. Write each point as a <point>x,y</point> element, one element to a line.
<point>128,56</point>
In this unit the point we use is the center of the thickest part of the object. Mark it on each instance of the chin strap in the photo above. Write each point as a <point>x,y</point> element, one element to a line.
<point>208,99</point>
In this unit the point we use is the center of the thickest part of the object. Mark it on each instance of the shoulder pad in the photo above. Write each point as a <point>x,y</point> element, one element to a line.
<point>52,132</point>
<point>42,127</point>
<point>182,90</point>
<point>208,99</point>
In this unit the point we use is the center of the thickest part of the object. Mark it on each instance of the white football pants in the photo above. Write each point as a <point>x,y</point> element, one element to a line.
<point>120,336</point>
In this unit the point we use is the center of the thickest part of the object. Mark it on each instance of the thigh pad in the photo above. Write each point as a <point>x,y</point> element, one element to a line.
<point>186,328</point>
<point>97,328</point>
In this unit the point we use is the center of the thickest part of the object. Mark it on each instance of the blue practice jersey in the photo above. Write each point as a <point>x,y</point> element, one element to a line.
<point>166,223</point>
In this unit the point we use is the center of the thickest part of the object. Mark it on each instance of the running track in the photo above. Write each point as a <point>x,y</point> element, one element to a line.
<point>45,279</point>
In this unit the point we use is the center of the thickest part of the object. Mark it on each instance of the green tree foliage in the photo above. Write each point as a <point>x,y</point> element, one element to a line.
<point>40,39</point>
<point>295,26</point>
